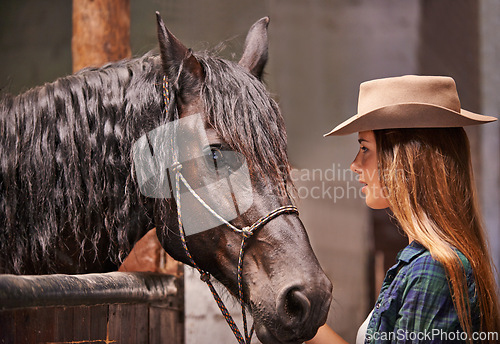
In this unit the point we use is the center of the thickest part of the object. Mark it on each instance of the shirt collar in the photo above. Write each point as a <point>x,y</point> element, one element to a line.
<point>410,252</point>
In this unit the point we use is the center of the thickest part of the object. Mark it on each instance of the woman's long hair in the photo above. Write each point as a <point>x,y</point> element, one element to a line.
<point>427,174</point>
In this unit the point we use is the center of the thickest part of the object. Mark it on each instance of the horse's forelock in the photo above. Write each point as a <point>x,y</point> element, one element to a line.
<point>244,114</point>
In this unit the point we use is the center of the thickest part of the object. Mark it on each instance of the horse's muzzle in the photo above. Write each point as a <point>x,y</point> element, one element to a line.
<point>301,309</point>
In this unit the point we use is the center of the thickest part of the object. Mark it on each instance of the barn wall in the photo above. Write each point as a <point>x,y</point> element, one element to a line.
<point>489,64</point>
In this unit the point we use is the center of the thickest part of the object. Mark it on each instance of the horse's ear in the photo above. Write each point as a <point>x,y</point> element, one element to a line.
<point>179,63</point>
<point>255,54</point>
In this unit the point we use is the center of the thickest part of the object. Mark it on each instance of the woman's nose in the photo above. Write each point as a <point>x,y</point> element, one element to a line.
<point>354,165</point>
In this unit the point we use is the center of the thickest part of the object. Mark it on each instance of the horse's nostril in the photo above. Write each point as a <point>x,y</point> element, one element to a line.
<point>293,307</point>
<point>298,304</point>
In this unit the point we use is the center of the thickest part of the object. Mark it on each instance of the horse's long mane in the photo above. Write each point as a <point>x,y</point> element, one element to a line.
<point>65,163</point>
<point>66,176</point>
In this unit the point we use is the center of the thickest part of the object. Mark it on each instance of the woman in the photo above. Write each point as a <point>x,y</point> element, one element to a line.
<point>414,159</point>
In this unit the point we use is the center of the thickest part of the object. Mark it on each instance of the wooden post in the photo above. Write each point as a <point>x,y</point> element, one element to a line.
<point>101,32</point>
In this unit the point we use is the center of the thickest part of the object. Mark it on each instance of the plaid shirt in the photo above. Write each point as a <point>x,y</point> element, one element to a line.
<point>415,304</point>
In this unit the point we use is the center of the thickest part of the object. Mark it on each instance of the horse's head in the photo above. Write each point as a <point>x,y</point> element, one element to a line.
<point>230,142</point>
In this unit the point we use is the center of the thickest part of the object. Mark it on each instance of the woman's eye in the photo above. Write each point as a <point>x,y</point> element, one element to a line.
<point>363,149</point>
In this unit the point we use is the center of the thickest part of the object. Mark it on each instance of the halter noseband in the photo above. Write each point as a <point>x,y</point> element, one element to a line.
<point>246,232</point>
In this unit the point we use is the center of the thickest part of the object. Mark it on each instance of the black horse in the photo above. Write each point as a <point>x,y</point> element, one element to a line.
<point>70,201</point>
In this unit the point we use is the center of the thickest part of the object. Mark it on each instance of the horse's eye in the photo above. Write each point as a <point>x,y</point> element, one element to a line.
<point>219,159</point>
<point>217,156</point>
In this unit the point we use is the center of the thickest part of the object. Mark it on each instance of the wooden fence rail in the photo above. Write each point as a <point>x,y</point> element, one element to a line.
<point>113,307</point>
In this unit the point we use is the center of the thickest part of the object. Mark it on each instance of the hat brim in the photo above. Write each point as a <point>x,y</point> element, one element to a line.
<point>409,115</point>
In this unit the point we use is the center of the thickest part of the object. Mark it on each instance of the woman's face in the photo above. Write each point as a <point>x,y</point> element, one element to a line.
<point>365,165</point>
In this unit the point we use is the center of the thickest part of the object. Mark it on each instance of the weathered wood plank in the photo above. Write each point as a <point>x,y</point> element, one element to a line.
<point>142,323</point>
<point>165,325</point>
<point>24,319</point>
<point>64,324</point>
<point>115,324</point>
<point>45,324</point>
<point>98,322</point>
<point>7,327</point>
<point>81,323</point>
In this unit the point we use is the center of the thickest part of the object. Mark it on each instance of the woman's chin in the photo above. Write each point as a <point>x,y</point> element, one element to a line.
<point>376,202</point>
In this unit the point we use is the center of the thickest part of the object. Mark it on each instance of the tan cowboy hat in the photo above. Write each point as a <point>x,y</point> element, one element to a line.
<point>409,101</point>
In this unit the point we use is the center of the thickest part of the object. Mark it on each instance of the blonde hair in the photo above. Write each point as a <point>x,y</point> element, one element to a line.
<point>427,175</point>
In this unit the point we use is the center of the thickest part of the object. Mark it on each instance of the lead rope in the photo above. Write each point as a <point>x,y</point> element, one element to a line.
<point>246,232</point>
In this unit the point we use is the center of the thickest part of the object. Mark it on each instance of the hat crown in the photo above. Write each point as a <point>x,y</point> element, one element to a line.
<point>433,90</point>
<point>410,101</point>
